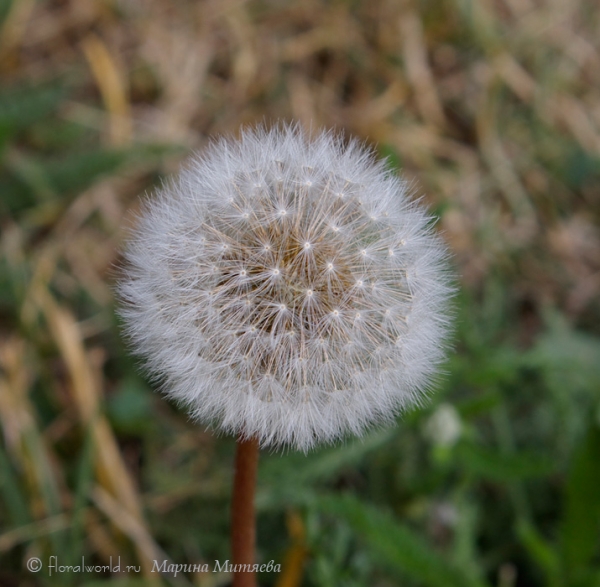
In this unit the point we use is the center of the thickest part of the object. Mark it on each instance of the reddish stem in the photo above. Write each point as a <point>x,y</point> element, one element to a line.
<point>243,524</point>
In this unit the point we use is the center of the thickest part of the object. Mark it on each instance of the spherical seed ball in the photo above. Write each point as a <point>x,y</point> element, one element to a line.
<point>287,288</point>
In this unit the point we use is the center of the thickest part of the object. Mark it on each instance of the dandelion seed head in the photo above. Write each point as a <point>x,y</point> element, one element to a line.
<point>307,321</point>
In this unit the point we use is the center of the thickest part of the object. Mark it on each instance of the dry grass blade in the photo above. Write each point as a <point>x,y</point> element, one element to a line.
<point>13,27</point>
<point>490,107</point>
<point>297,554</point>
<point>112,86</point>
<point>134,529</point>
<point>31,531</point>
<point>418,71</point>
<point>112,471</point>
<point>23,437</point>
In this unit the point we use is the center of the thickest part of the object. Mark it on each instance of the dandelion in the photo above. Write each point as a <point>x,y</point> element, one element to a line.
<point>444,427</point>
<point>287,290</point>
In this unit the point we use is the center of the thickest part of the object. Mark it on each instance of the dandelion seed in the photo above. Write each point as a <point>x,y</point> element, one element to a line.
<point>342,332</point>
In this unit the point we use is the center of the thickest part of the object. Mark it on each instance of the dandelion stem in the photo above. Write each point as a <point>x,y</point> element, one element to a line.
<point>243,527</point>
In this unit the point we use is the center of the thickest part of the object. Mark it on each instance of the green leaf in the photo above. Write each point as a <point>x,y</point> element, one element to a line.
<point>480,404</point>
<point>31,173</point>
<point>29,180</point>
<point>581,167</point>
<point>567,357</point>
<point>77,172</point>
<point>287,476</point>
<point>4,9</point>
<point>540,551</point>
<point>395,545</point>
<point>11,492</point>
<point>502,467</point>
<point>130,407</point>
<point>21,107</point>
<point>581,522</point>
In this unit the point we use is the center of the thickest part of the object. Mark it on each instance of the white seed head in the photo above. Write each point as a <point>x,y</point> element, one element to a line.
<point>444,427</point>
<point>293,324</point>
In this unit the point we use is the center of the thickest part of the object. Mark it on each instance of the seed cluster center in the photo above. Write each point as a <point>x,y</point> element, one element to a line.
<point>293,289</point>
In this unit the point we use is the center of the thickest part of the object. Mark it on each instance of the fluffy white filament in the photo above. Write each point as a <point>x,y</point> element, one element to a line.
<point>287,288</point>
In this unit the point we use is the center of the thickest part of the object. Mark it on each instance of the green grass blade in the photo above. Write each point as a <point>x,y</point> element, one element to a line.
<point>20,107</point>
<point>12,494</point>
<point>580,531</point>
<point>283,477</point>
<point>542,553</point>
<point>395,545</point>
<point>502,467</point>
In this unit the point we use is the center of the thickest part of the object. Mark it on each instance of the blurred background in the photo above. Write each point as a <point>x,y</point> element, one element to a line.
<point>490,107</point>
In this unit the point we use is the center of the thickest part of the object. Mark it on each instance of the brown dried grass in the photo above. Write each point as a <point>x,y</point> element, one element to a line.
<point>464,94</point>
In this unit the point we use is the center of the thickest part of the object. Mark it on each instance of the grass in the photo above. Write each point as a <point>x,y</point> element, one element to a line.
<point>492,109</point>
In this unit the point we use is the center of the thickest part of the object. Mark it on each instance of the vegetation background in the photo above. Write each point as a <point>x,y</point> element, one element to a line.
<point>491,107</point>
